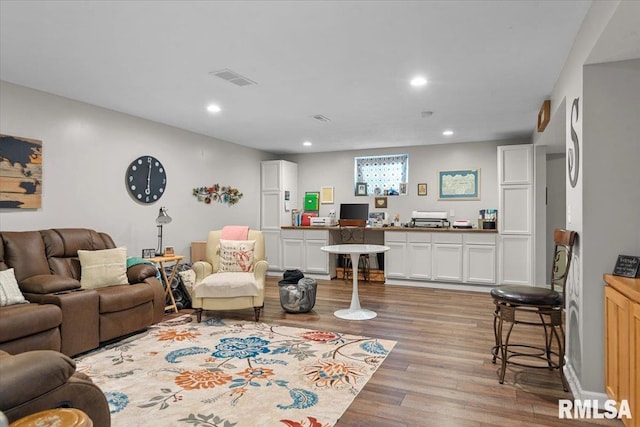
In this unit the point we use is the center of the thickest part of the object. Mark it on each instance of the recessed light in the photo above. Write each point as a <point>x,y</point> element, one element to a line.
<point>418,81</point>
<point>212,108</point>
<point>307,144</point>
<point>447,133</point>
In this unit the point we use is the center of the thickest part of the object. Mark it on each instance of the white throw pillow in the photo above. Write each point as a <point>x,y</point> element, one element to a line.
<point>101,268</point>
<point>9,290</point>
<point>236,255</point>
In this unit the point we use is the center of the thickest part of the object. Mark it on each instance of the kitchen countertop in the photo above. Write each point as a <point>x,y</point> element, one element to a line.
<point>418,229</point>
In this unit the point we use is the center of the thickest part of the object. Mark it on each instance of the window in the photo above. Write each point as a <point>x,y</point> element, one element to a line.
<point>382,174</point>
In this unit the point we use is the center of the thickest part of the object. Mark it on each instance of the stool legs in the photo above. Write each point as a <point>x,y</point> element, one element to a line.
<point>551,323</point>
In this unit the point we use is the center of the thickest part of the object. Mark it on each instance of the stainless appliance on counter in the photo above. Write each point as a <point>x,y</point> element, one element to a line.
<point>429,219</point>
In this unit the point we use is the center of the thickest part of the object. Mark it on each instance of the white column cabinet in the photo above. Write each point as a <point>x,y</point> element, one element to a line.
<point>515,210</point>
<point>279,194</point>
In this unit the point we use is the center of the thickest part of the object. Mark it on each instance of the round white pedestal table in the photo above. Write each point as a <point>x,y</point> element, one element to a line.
<point>355,312</point>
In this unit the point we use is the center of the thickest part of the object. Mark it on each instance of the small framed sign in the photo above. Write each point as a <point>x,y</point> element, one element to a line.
<point>148,253</point>
<point>168,251</point>
<point>627,266</point>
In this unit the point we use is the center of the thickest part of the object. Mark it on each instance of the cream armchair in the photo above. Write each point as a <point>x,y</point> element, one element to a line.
<point>217,288</point>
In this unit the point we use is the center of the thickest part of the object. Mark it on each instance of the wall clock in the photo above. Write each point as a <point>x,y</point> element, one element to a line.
<point>146,179</point>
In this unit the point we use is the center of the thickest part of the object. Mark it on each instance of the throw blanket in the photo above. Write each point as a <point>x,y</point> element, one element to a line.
<point>234,232</point>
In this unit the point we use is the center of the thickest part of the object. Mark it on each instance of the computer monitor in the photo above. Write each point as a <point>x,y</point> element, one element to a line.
<point>354,211</point>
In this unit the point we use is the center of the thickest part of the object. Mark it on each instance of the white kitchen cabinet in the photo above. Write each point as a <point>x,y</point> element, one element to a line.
<point>447,262</point>
<point>515,259</point>
<point>301,250</point>
<point>515,209</point>
<point>395,259</point>
<point>479,258</point>
<point>279,195</point>
<point>419,255</point>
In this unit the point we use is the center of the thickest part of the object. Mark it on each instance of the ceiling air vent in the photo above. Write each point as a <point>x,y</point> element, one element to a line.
<point>233,77</point>
<point>321,118</point>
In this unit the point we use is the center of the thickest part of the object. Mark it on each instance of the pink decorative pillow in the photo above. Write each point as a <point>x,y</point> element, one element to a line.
<point>236,255</point>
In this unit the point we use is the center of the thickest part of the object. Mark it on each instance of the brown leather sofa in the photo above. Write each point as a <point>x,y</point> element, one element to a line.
<point>64,316</point>
<point>38,380</point>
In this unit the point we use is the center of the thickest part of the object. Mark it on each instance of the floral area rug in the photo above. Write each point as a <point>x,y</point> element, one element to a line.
<point>223,374</point>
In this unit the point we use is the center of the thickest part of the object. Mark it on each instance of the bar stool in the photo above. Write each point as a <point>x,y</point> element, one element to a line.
<point>534,306</point>
<point>67,417</point>
<point>352,231</point>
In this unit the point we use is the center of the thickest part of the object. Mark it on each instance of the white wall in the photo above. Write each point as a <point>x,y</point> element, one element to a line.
<point>86,151</point>
<point>586,202</point>
<point>337,169</point>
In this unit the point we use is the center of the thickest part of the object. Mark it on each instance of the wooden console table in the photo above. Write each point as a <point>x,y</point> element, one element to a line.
<point>160,260</point>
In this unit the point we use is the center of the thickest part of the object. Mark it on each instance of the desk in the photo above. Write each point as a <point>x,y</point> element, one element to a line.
<point>355,312</point>
<point>160,260</point>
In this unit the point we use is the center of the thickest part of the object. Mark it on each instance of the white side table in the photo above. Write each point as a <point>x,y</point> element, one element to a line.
<point>355,312</point>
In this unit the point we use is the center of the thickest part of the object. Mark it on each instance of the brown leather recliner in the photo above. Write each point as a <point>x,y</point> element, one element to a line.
<point>48,271</point>
<point>44,379</point>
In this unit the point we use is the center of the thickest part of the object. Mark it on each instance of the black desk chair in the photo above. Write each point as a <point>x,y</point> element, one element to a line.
<point>534,306</point>
<point>352,231</point>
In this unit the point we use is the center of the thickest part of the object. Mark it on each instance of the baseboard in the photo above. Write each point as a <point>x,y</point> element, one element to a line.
<point>576,388</point>
<point>441,285</point>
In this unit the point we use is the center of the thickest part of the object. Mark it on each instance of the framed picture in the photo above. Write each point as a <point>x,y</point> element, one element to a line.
<point>422,189</point>
<point>311,201</point>
<point>463,184</point>
<point>361,188</point>
<point>403,188</point>
<point>380,203</point>
<point>326,195</point>
<point>168,251</point>
<point>148,253</point>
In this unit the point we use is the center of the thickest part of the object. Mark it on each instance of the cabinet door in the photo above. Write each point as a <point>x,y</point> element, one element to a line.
<point>272,249</point>
<point>293,254</point>
<point>479,264</point>
<point>271,175</point>
<point>516,205</point>
<point>515,260</point>
<point>394,260</point>
<point>515,164</point>
<point>419,260</point>
<point>316,261</point>
<point>447,262</point>
<point>270,217</point>
<point>616,344</point>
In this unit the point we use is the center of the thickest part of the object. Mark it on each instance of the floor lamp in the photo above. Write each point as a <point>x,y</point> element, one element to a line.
<point>162,219</point>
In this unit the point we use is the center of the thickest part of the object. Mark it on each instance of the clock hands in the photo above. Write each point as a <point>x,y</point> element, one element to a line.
<point>147,191</point>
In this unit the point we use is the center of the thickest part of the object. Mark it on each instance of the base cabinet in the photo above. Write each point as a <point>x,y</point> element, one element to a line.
<point>622,343</point>
<point>301,250</point>
<point>440,256</point>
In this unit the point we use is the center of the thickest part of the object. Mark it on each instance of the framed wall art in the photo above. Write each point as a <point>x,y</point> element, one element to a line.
<point>326,195</point>
<point>361,188</point>
<point>422,189</point>
<point>20,172</point>
<point>463,184</point>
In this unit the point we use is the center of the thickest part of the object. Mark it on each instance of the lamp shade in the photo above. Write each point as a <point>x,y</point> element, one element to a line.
<point>163,217</point>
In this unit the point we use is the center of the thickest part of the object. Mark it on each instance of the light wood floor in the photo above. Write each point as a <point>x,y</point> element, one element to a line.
<point>440,371</point>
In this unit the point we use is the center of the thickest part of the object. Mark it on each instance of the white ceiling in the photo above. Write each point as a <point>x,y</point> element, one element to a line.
<point>490,65</point>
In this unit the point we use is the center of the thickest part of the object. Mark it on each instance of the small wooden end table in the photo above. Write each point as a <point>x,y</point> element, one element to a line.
<point>68,417</point>
<point>160,260</point>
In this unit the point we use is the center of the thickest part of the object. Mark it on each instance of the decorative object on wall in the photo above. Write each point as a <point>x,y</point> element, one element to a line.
<point>146,179</point>
<point>326,195</point>
<point>403,188</point>
<point>573,156</point>
<point>544,115</point>
<point>459,184</point>
<point>381,203</point>
<point>218,193</point>
<point>422,189</point>
<point>311,201</point>
<point>361,188</point>
<point>20,172</point>
<point>162,219</point>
